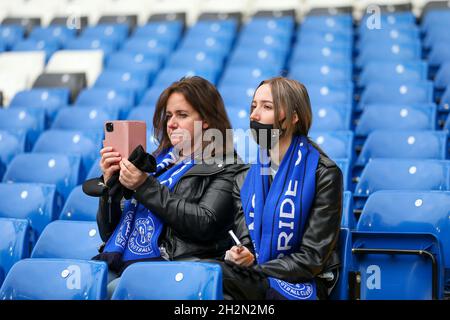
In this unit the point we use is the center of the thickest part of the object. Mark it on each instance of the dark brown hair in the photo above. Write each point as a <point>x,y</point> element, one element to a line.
<point>203,97</point>
<point>292,97</point>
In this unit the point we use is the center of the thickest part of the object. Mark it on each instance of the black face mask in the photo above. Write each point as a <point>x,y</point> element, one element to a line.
<point>265,135</point>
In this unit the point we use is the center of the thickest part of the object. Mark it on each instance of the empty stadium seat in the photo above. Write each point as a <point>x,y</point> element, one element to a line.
<point>402,174</point>
<point>51,168</point>
<point>171,280</point>
<point>116,32</point>
<point>348,220</point>
<point>151,96</point>
<point>50,99</point>
<point>30,201</point>
<point>410,212</point>
<point>106,47</point>
<point>341,289</point>
<point>79,206</point>
<point>382,92</point>
<point>11,143</point>
<point>344,165</point>
<point>124,61</point>
<point>442,80</point>
<point>336,144</point>
<point>331,117</point>
<point>397,266</point>
<point>396,117</point>
<point>68,240</point>
<point>169,75</point>
<point>120,98</point>
<point>320,72</point>
<point>90,119</point>
<point>28,120</point>
<point>247,76</point>
<point>408,71</point>
<point>137,81</point>
<point>81,143</point>
<point>14,243</point>
<point>55,279</point>
<point>330,94</point>
<point>11,34</point>
<point>444,105</point>
<point>144,113</point>
<point>237,95</point>
<point>75,82</point>
<point>59,33</point>
<point>404,144</point>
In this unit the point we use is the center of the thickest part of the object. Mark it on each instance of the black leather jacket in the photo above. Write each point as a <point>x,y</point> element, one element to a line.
<point>317,253</point>
<point>197,214</point>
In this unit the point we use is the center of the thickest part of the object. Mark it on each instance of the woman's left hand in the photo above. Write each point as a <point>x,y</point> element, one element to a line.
<point>130,176</point>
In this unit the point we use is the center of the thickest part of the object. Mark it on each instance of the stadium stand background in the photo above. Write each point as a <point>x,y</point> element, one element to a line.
<point>380,98</point>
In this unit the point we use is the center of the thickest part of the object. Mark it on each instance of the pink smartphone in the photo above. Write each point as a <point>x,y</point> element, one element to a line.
<point>124,136</point>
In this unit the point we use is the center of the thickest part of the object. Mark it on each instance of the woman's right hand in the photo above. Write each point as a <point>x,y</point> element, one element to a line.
<point>240,255</point>
<point>109,162</point>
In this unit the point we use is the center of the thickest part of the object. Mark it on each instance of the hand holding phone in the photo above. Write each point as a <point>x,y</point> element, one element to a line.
<point>124,136</point>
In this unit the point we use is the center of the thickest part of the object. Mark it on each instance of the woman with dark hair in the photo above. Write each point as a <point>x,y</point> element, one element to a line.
<point>288,205</point>
<point>185,209</point>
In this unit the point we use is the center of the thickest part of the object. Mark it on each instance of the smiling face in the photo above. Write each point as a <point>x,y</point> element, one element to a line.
<point>181,118</point>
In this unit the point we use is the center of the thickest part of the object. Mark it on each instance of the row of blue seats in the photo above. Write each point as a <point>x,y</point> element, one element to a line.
<point>416,221</point>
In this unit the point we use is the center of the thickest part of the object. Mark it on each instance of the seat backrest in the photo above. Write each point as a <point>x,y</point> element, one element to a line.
<point>33,202</point>
<point>84,118</point>
<point>55,279</point>
<point>390,274</point>
<point>74,81</point>
<point>404,144</point>
<point>336,144</point>
<point>79,206</point>
<point>14,243</point>
<point>170,280</point>
<point>398,92</point>
<point>50,168</point>
<point>409,211</point>
<point>68,240</point>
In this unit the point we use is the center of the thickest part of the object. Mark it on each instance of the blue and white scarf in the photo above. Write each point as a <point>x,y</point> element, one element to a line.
<point>136,235</point>
<point>276,215</point>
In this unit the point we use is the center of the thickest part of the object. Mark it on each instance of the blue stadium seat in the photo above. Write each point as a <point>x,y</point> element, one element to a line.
<point>160,46</point>
<point>169,75</point>
<point>81,143</point>
<point>239,116</point>
<point>68,240</point>
<point>29,120</point>
<point>137,81</point>
<point>124,61</point>
<point>397,266</point>
<point>331,117</point>
<point>403,36</point>
<point>410,212</point>
<point>348,218</point>
<point>117,32</point>
<point>404,144</point>
<point>387,52</point>
<point>436,17</point>
<point>174,280</point>
<point>144,113</point>
<point>321,54</point>
<point>50,99</point>
<point>197,59</point>
<point>396,117</point>
<point>247,76</point>
<point>334,24</point>
<point>320,72</point>
<point>245,145</point>
<point>257,57</point>
<point>49,46</point>
<point>11,34</point>
<point>444,104</point>
<point>237,95</point>
<point>225,30</point>
<point>151,96</point>
<point>442,79</point>
<point>14,243</point>
<point>402,174</point>
<point>408,71</point>
<point>152,142</point>
<point>95,171</point>
<point>59,33</point>
<point>344,165</point>
<point>51,168</point>
<point>341,289</point>
<point>341,93</point>
<point>324,39</point>
<point>55,279</point>
<point>30,201</point>
<point>435,34</point>
<point>281,28</point>
<point>336,144</point>
<point>164,29</point>
<point>398,92</point>
<point>210,45</point>
<point>439,54</point>
<point>11,143</point>
<point>90,119</point>
<point>91,44</point>
<point>120,98</point>
<point>389,20</point>
<point>79,206</point>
